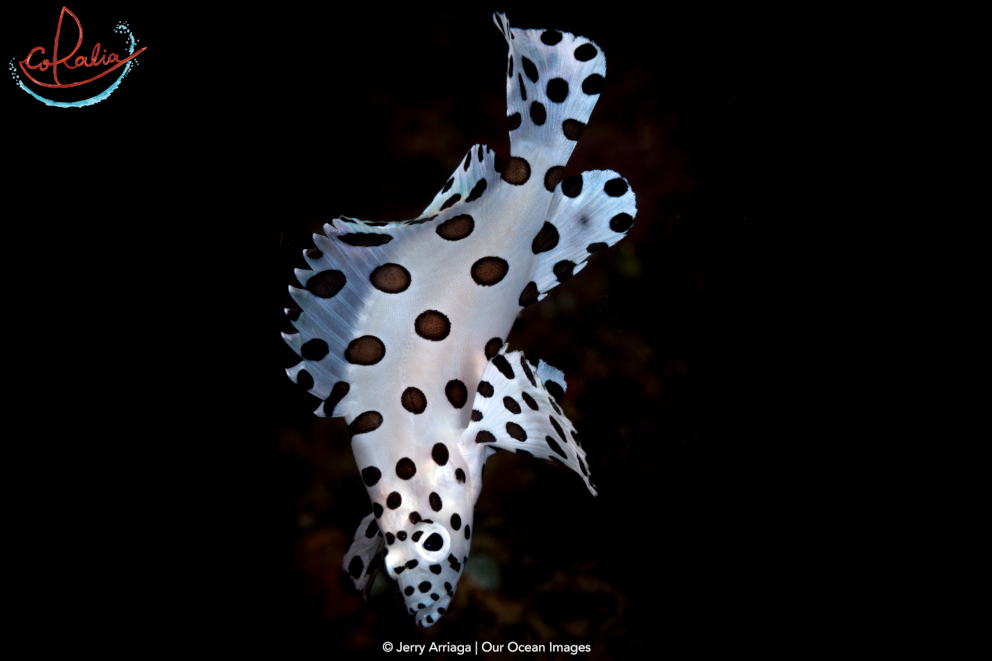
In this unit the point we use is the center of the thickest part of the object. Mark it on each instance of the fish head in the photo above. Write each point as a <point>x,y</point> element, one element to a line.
<point>427,562</point>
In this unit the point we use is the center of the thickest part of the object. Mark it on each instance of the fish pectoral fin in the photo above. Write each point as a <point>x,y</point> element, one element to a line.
<point>364,557</point>
<point>516,409</point>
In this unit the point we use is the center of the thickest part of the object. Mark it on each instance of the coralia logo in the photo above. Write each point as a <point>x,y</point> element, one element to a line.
<point>105,63</point>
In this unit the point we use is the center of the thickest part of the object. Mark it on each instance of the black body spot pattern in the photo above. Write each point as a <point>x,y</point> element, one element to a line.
<point>524,453</point>
<point>550,37</point>
<point>563,270</point>
<point>511,405</point>
<point>425,586</point>
<point>523,90</point>
<point>415,518</point>
<point>503,365</point>
<point>390,278</point>
<point>553,444</point>
<point>450,202</point>
<point>468,161</point>
<point>456,521</point>
<point>377,510</point>
<point>468,532</point>
<point>546,239</point>
<point>326,284</point>
<point>408,590</point>
<point>516,431</point>
<point>527,372</point>
<point>497,163</point>
<point>480,153</point>
<point>390,538</point>
<point>493,347</point>
<point>529,69</point>
<point>304,380</point>
<point>460,475</point>
<point>572,128</point>
<point>529,401</point>
<point>457,228</point>
<point>621,222</point>
<point>401,535</point>
<point>365,350</point>
<point>393,501</point>
<point>593,84</point>
<point>596,247</point>
<point>517,172</point>
<point>434,542</point>
<point>371,476</point>
<point>355,567</point>
<point>362,240</point>
<point>484,437</point>
<point>314,349</point>
<point>477,191</point>
<point>585,52</point>
<point>435,569</point>
<point>485,389</point>
<point>456,392</point>
<point>447,185</point>
<point>489,270</point>
<point>432,325</point>
<point>554,390</point>
<point>365,422</point>
<point>554,406</point>
<point>572,186</point>
<point>538,113</point>
<point>338,392</point>
<point>405,468</point>
<point>410,564</point>
<point>513,121</point>
<point>414,400</point>
<point>558,429</point>
<point>476,415</point>
<point>439,453</point>
<point>553,176</point>
<point>615,187</point>
<point>528,295</point>
<point>435,501</point>
<point>583,467</point>
<point>509,71</point>
<point>372,530</point>
<point>557,89</point>
<point>415,537</point>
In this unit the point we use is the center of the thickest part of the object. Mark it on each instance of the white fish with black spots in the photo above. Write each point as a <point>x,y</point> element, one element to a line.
<point>402,325</point>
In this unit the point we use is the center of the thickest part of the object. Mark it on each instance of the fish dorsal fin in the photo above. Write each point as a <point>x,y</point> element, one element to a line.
<point>553,80</point>
<point>516,409</point>
<point>589,212</point>
<point>363,559</point>
<point>477,172</point>
<point>355,262</point>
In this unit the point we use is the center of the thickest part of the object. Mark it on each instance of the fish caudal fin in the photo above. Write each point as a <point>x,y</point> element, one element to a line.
<point>516,409</point>
<point>553,80</point>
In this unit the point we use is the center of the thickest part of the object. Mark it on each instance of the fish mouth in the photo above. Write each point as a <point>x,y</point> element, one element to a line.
<point>429,615</point>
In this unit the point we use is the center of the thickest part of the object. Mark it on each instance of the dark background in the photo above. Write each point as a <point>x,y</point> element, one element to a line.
<point>175,481</point>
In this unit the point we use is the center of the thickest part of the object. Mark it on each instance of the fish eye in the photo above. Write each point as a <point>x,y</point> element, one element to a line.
<point>434,542</point>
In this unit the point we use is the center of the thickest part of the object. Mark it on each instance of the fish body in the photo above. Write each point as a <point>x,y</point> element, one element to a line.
<point>402,325</point>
